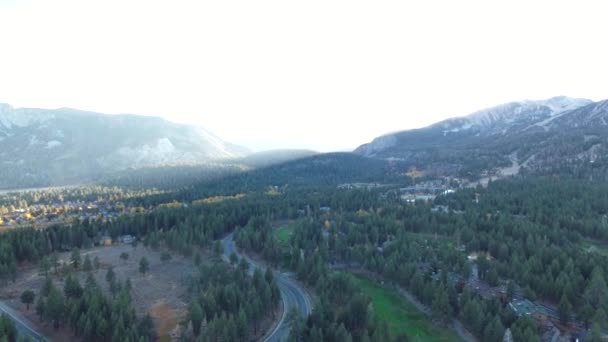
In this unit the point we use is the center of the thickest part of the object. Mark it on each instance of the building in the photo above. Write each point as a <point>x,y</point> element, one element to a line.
<point>440,209</point>
<point>126,239</point>
<point>417,197</point>
<point>522,307</point>
<point>105,241</point>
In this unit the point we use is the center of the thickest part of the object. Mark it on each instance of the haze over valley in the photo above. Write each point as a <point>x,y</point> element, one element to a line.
<point>319,171</point>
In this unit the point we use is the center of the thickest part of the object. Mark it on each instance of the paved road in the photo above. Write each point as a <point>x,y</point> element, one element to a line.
<point>24,328</point>
<point>292,294</point>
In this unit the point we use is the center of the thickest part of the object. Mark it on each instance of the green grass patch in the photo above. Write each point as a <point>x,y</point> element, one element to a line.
<point>282,234</point>
<point>402,317</point>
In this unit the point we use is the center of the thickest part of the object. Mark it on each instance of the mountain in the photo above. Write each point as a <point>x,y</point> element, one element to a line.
<point>184,176</point>
<point>40,147</point>
<point>548,136</point>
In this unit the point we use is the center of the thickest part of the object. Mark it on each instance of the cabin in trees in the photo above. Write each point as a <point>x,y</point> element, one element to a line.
<point>522,307</point>
<point>126,239</point>
<point>105,240</point>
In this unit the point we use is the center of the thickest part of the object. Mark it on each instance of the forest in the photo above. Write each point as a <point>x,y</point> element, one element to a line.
<point>536,235</point>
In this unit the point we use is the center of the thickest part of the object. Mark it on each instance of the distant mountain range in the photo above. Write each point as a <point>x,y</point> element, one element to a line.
<point>40,147</point>
<point>560,134</point>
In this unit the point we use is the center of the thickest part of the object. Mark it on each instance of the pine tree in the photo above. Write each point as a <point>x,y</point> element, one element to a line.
<point>564,309</point>
<point>124,256</point>
<point>27,298</point>
<point>76,258</point>
<point>195,313</point>
<point>87,266</point>
<point>54,309</point>
<point>110,275</point>
<point>96,263</point>
<point>144,266</point>
<point>44,267</point>
<point>40,307</point>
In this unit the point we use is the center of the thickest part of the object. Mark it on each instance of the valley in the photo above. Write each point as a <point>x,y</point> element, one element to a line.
<point>463,237</point>
<point>308,171</point>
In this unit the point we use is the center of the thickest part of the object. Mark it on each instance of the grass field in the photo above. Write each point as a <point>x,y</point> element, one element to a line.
<point>402,316</point>
<point>283,233</point>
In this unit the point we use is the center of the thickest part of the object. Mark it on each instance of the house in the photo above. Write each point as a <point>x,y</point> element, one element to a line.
<point>417,197</point>
<point>522,307</point>
<point>126,239</point>
<point>105,241</point>
<point>440,209</point>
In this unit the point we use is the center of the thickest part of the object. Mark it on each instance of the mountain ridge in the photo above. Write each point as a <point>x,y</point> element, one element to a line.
<point>487,140</point>
<point>47,147</point>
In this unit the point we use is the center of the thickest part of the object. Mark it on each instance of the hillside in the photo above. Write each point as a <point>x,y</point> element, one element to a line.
<point>40,147</point>
<point>550,136</point>
<point>325,170</point>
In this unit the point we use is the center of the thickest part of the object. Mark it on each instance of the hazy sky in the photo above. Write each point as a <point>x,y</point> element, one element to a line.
<point>326,75</point>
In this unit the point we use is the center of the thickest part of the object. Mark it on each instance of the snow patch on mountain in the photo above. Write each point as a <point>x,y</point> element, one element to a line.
<point>52,144</point>
<point>217,143</point>
<point>513,112</point>
<point>499,121</point>
<point>560,104</point>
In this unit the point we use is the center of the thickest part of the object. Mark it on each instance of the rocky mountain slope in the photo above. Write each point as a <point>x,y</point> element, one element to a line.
<point>549,136</point>
<point>40,147</point>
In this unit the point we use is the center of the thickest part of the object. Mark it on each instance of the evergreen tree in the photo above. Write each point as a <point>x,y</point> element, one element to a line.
<point>54,307</point>
<point>110,275</point>
<point>96,263</point>
<point>196,317</point>
<point>75,258</point>
<point>87,266</point>
<point>124,256</point>
<point>44,266</point>
<point>27,298</point>
<point>564,309</point>
<point>144,266</point>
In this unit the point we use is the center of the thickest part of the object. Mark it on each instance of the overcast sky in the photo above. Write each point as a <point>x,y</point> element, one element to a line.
<point>326,75</point>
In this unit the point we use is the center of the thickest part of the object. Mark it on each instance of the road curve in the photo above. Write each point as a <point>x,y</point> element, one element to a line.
<point>24,328</point>
<point>292,294</point>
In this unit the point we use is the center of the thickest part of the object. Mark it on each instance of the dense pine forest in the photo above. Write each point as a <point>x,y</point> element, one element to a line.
<point>540,239</point>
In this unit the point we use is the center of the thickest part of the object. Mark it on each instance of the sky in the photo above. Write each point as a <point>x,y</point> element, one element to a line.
<point>324,75</point>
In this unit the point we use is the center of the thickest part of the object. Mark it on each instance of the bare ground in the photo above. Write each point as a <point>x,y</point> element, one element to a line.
<point>162,291</point>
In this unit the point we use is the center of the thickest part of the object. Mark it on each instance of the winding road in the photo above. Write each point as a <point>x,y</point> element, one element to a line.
<point>292,294</point>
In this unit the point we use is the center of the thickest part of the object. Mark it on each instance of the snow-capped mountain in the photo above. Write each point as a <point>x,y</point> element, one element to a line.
<point>525,133</point>
<point>524,111</point>
<point>46,147</point>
